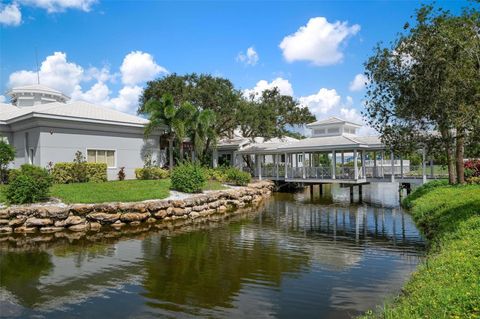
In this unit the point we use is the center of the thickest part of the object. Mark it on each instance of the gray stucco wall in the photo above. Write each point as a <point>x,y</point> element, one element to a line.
<point>61,144</point>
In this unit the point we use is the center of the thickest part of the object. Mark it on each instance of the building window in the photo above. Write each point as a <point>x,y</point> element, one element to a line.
<point>319,131</point>
<point>102,156</point>
<point>334,130</point>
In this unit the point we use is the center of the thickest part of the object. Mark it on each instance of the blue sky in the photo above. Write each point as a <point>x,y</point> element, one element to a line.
<point>104,51</point>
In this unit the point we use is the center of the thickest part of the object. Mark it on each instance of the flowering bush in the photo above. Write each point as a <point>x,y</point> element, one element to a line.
<point>472,168</point>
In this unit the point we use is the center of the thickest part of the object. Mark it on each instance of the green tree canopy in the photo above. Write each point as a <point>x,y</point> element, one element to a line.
<point>425,86</point>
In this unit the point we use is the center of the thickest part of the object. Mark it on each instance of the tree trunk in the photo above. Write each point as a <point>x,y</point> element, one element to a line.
<point>181,150</point>
<point>459,156</point>
<point>170,153</point>
<point>449,152</point>
<point>450,165</point>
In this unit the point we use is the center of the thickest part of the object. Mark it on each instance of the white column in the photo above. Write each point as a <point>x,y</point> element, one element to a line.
<point>382,161</point>
<point>401,167</point>
<point>286,165</point>
<point>375,173</point>
<point>364,170</point>
<point>303,165</point>
<point>424,166</point>
<point>392,160</point>
<point>334,164</point>
<point>276,158</point>
<point>355,164</point>
<point>215,158</point>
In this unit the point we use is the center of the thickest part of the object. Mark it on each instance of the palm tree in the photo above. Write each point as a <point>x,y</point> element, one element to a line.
<point>201,130</point>
<point>164,112</point>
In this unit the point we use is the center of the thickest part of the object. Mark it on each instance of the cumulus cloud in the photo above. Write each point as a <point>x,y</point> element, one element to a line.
<point>138,67</point>
<point>3,99</point>
<point>322,102</point>
<point>249,58</point>
<point>55,71</point>
<point>319,42</point>
<point>283,85</point>
<point>92,84</point>
<point>359,82</point>
<point>10,15</point>
<point>59,5</point>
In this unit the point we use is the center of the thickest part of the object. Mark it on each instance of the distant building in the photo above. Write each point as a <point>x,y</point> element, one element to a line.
<point>45,127</point>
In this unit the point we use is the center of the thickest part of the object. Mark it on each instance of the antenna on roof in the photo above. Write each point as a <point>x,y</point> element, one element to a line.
<point>36,61</point>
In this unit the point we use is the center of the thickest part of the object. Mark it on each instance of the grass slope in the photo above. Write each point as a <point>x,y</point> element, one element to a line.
<point>114,191</point>
<point>447,285</point>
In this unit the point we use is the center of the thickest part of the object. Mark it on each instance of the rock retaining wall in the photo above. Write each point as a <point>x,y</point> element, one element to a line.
<point>92,217</point>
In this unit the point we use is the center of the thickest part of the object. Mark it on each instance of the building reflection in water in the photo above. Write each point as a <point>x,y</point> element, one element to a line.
<point>299,256</point>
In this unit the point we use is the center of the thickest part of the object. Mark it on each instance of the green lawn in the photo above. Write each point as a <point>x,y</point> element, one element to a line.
<point>447,284</point>
<point>115,191</point>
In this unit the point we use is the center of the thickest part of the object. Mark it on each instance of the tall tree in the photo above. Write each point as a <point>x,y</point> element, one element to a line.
<point>164,112</point>
<point>201,130</point>
<point>272,115</point>
<point>426,82</point>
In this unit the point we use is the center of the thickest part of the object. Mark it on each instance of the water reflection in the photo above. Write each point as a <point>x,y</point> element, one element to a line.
<point>296,257</point>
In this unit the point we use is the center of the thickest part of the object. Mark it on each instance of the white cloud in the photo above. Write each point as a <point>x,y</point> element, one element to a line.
<point>10,15</point>
<point>127,99</point>
<point>359,82</point>
<point>322,102</point>
<point>319,42</point>
<point>249,58</point>
<point>92,84</point>
<point>3,99</point>
<point>138,67</point>
<point>354,115</point>
<point>59,5</point>
<point>283,85</point>
<point>55,71</point>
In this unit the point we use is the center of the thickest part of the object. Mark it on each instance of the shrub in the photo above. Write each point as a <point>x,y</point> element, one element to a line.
<point>237,177</point>
<point>29,184</point>
<point>472,168</point>
<point>473,180</point>
<point>66,173</point>
<point>121,174</point>
<point>188,178</point>
<point>151,173</point>
<point>79,168</point>
<point>216,174</point>
<point>7,155</point>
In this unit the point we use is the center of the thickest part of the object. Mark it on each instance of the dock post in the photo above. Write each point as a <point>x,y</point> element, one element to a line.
<point>320,189</point>
<point>424,166</point>
<point>311,191</point>
<point>360,192</point>
<point>351,194</point>
<point>334,163</point>
<point>392,161</point>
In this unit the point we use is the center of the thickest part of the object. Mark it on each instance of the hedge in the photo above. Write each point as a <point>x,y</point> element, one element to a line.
<point>64,173</point>
<point>149,173</point>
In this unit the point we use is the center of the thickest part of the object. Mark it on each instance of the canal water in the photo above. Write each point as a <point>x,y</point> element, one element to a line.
<point>301,255</point>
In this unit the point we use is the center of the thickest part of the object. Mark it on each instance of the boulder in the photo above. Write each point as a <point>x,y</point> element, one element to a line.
<point>56,212</point>
<point>177,211</point>
<point>51,229</point>
<point>80,227</point>
<point>4,221</point>
<point>6,229</point>
<point>81,209</point>
<point>95,226</point>
<point>5,213</point>
<point>74,220</point>
<point>38,222</point>
<point>194,215</point>
<point>103,217</point>
<point>221,209</point>
<point>24,229</point>
<point>131,217</point>
<point>135,223</point>
<point>178,203</point>
<point>155,206</point>
<point>18,221</point>
<point>151,220</point>
<point>161,214</point>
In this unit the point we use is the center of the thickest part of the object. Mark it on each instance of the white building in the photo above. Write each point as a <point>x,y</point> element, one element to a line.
<point>44,127</point>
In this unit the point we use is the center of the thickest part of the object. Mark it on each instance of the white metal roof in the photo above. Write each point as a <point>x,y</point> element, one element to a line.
<point>339,142</point>
<point>35,88</point>
<point>333,120</point>
<point>79,110</point>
